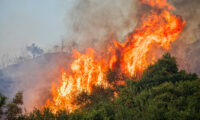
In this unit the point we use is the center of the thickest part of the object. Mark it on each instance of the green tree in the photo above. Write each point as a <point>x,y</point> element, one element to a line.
<point>2,104</point>
<point>99,94</point>
<point>100,111</point>
<point>14,107</point>
<point>164,70</point>
<point>162,93</point>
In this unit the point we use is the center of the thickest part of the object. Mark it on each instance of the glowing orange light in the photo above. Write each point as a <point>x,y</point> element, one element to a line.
<point>159,28</point>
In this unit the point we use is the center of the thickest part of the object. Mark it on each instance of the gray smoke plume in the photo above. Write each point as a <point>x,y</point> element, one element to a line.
<point>34,78</point>
<point>187,47</point>
<point>93,22</point>
<point>96,22</point>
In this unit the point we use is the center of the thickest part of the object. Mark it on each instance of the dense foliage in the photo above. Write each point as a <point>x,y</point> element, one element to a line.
<point>2,103</point>
<point>162,93</point>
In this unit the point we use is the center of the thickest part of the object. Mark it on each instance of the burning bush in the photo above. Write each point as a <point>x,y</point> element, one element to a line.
<point>157,30</point>
<point>163,92</point>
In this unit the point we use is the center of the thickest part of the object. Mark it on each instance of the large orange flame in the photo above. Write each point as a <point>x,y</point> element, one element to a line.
<point>159,28</point>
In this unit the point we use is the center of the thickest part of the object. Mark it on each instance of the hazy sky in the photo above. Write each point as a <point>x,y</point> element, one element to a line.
<point>23,22</point>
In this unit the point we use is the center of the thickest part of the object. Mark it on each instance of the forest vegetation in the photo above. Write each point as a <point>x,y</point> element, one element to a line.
<point>163,92</point>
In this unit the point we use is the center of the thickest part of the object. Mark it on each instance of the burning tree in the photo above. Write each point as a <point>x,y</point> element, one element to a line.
<point>158,29</point>
<point>163,92</point>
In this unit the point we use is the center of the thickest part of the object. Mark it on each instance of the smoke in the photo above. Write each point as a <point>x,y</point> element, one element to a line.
<point>187,47</point>
<point>92,23</point>
<point>34,78</point>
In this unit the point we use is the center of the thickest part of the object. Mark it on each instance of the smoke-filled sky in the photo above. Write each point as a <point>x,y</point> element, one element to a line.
<point>23,22</point>
<point>85,22</point>
<point>47,22</point>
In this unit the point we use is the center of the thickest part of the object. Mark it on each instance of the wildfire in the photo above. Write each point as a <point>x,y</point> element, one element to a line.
<point>160,27</point>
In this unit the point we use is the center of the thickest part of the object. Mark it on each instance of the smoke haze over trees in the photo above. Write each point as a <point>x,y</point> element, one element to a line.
<point>163,92</point>
<point>93,23</point>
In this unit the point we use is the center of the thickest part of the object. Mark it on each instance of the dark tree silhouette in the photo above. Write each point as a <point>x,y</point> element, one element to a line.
<point>34,50</point>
